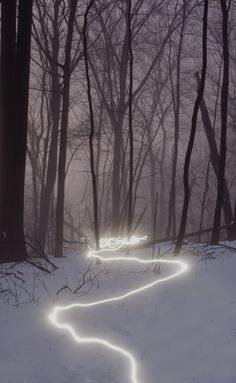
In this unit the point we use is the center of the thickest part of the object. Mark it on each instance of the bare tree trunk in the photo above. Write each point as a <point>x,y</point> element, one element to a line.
<point>154,225</point>
<point>224,114</point>
<point>99,147</point>
<point>193,132</point>
<point>92,166</point>
<point>116,180</point>
<point>162,188</point>
<point>55,101</point>
<point>131,144</point>
<point>15,66</point>
<point>118,140</point>
<point>176,98</point>
<point>58,251</point>
<point>34,169</point>
<point>118,133</point>
<point>153,175</point>
<point>215,161</point>
<point>204,200</point>
<point>8,42</point>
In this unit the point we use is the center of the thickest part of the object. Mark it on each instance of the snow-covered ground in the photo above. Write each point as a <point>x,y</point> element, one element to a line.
<point>181,331</point>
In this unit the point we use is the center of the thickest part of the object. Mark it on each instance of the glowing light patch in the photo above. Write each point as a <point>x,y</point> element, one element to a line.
<point>108,245</point>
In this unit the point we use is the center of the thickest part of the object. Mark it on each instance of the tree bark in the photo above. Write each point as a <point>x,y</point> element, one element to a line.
<point>15,66</point>
<point>215,161</point>
<point>55,102</point>
<point>176,98</point>
<point>8,44</point>
<point>192,134</point>
<point>58,251</point>
<point>92,129</point>
<point>224,114</point>
<point>131,144</point>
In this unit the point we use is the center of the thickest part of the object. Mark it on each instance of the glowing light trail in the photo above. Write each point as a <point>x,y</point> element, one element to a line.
<point>108,245</point>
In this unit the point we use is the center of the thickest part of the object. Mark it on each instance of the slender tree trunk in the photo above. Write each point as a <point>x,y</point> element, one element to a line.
<point>153,169</point>
<point>162,187</point>
<point>215,161</point>
<point>204,200</point>
<point>224,114</point>
<point>131,144</point>
<point>55,102</point>
<point>92,128</point>
<point>118,135</point>
<point>116,180</point>
<point>34,169</point>
<point>172,199</point>
<point>154,225</point>
<point>192,134</point>
<point>58,251</point>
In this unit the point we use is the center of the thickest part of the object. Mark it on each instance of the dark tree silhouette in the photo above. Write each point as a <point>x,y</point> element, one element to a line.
<point>92,128</point>
<point>176,106</point>
<point>193,132</point>
<point>131,143</point>
<point>55,103</point>
<point>15,69</point>
<point>215,161</point>
<point>58,251</point>
<point>224,115</point>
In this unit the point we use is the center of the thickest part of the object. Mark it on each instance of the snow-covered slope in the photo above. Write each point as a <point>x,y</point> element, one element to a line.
<point>181,331</point>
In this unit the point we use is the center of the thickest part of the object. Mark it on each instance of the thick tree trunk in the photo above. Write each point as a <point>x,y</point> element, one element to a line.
<point>8,51</point>
<point>15,70</point>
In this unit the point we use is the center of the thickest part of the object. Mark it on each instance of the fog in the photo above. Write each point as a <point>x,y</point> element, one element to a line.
<point>166,46</point>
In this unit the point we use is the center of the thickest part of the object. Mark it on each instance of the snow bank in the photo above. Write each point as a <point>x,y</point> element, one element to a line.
<point>183,331</point>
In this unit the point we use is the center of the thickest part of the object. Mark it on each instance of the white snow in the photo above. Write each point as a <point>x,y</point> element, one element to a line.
<point>181,331</point>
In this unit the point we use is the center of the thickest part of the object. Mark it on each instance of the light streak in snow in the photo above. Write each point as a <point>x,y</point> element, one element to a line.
<point>113,245</point>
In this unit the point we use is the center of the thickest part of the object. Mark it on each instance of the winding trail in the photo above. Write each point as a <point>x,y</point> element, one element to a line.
<point>108,245</point>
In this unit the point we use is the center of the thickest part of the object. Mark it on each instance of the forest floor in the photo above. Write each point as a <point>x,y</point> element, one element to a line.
<point>180,331</point>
